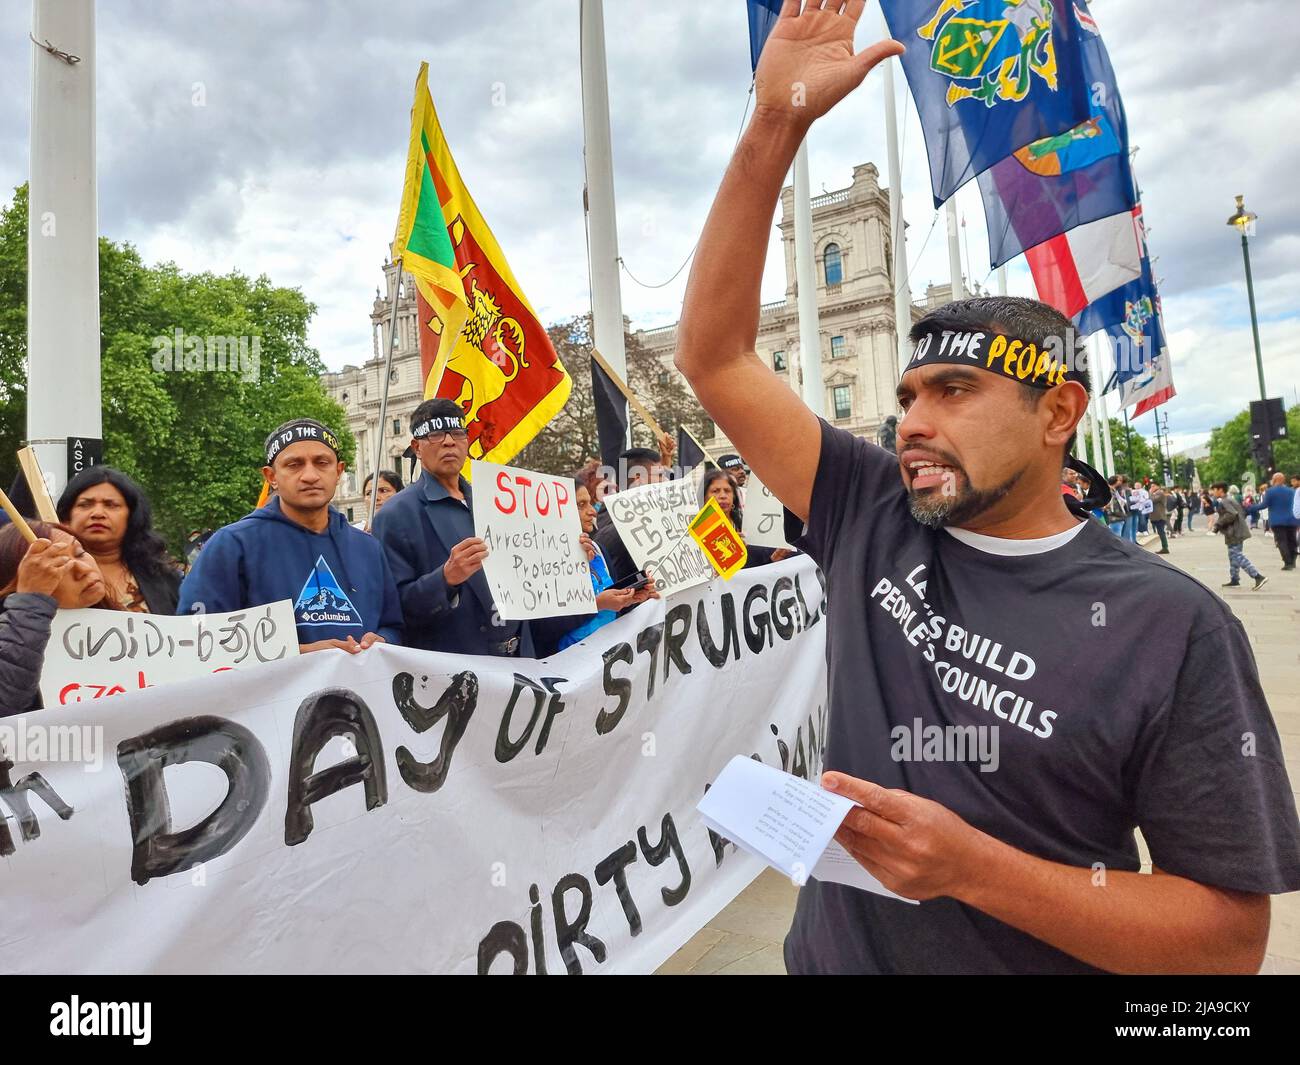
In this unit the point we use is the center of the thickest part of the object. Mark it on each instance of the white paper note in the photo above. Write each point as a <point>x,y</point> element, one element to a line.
<point>788,822</point>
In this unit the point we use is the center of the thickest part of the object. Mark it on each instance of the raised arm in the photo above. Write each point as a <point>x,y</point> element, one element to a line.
<point>808,66</point>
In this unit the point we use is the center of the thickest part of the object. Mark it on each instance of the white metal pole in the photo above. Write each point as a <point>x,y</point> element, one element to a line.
<point>383,396</point>
<point>1107,450</point>
<point>954,250</point>
<point>898,239</point>
<point>63,387</point>
<point>602,226</point>
<point>805,273</point>
<point>1000,276</point>
<point>1098,458</point>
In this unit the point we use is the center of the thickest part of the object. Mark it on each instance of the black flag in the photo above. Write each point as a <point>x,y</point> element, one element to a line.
<point>611,415</point>
<point>689,453</point>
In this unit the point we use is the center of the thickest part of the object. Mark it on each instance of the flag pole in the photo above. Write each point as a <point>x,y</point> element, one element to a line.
<point>898,242</point>
<point>1128,439</point>
<point>20,523</point>
<point>1108,451</point>
<point>1098,457</point>
<point>63,378</point>
<point>805,273</point>
<point>598,193</point>
<point>954,250</point>
<point>383,396</point>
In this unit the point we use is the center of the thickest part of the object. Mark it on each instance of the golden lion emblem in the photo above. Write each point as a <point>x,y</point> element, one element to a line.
<point>488,353</point>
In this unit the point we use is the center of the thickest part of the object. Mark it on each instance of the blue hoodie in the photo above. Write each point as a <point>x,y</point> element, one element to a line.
<point>338,580</point>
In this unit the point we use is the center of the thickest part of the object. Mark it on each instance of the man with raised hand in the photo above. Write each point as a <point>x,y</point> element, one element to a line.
<point>964,593</point>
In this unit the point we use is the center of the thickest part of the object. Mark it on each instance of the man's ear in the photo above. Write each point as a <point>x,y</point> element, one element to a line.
<point>1065,405</point>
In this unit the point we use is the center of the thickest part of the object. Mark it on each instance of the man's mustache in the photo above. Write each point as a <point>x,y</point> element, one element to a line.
<point>944,458</point>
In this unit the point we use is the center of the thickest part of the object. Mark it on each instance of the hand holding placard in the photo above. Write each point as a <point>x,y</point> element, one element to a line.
<point>532,553</point>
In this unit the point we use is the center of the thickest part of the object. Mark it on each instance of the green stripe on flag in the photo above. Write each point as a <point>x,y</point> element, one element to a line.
<point>429,236</point>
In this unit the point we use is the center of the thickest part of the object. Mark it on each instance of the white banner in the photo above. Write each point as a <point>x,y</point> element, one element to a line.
<point>535,566</point>
<point>406,811</point>
<point>95,653</point>
<point>653,521</point>
<point>763,516</point>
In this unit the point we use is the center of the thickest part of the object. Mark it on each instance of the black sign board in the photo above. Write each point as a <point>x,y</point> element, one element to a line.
<point>83,452</point>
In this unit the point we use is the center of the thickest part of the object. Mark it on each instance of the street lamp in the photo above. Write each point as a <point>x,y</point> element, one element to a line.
<point>1244,221</point>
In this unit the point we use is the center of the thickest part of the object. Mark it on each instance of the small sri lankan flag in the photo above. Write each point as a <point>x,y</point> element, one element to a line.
<point>718,539</point>
<point>481,344</point>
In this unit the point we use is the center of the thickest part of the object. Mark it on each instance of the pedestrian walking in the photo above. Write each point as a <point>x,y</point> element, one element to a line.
<point>1232,525</point>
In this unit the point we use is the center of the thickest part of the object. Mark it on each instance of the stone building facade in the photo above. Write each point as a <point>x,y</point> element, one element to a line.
<point>855,308</point>
<point>359,390</point>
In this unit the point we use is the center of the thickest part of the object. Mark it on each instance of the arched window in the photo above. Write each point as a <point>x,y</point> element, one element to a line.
<point>834,264</point>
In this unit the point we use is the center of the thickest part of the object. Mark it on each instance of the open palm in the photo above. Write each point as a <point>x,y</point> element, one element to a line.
<point>808,64</point>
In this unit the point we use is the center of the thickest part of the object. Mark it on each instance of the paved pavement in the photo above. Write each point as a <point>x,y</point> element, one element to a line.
<point>745,938</point>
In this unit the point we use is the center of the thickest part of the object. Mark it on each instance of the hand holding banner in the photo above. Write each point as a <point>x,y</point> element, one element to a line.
<point>94,653</point>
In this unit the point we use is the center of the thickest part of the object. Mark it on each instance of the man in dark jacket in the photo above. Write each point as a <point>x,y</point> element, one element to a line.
<point>1230,523</point>
<point>299,548</point>
<point>1279,502</point>
<point>427,530</point>
<point>1160,516</point>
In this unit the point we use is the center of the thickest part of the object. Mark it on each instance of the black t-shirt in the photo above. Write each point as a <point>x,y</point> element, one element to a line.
<point>1124,694</point>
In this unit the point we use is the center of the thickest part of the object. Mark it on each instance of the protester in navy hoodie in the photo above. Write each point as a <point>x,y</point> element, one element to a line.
<point>298,548</point>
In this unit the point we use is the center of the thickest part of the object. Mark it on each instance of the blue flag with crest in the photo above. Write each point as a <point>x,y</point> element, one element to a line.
<point>1059,182</point>
<point>1131,319</point>
<point>989,77</point>
<point>762,17</point>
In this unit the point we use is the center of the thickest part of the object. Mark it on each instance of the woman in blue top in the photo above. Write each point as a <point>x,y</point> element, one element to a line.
<point>609,600</point>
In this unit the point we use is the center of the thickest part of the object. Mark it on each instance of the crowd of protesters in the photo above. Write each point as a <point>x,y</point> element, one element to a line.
<point>1170,511</point>
<point>414,578</point>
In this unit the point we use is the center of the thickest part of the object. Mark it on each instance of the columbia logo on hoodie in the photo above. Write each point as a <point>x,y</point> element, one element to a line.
<point>322,600</point>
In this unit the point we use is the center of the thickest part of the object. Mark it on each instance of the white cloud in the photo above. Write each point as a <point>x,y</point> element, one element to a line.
<point>293,166</point>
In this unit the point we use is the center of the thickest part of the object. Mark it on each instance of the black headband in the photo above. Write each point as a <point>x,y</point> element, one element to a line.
<point>442,423</point>
<point>1007,356</point>
<point>296,433</point>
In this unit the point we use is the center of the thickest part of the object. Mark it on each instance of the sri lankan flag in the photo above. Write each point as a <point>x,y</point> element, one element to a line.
<point>718,539</point>
<point>480,341</point>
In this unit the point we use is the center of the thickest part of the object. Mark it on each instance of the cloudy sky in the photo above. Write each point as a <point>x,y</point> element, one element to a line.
<point>292,165</point>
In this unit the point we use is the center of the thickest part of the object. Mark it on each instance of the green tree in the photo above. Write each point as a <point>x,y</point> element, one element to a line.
<point>571,438</point>
<point>13,332</point>
<point>190,433</point>
<point>1134,456</point>
<point>1286,453</point>
<point>1230,453</point>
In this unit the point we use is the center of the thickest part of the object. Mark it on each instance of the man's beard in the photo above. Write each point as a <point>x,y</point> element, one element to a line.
<point>937,508</point>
